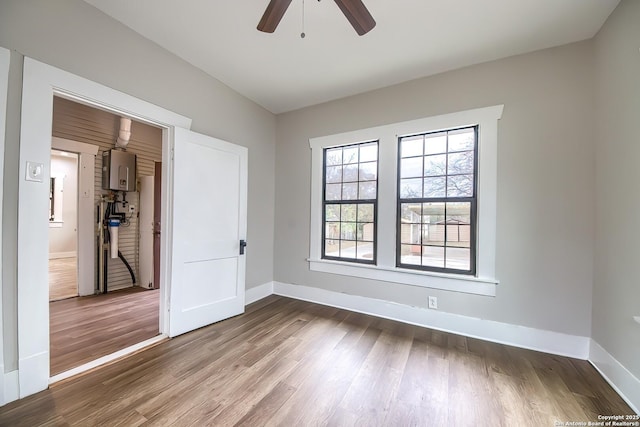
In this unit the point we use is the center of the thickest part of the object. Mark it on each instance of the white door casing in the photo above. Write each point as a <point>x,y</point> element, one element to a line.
<point>209,220</point>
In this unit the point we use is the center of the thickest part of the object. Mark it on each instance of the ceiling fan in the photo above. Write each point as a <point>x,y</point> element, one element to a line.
<point>355,11</point>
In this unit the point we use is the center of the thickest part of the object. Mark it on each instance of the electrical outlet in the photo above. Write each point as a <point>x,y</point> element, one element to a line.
<point>132,208</point>
<point>433,303</point>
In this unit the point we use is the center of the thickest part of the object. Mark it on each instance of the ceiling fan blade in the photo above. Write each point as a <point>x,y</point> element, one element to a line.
<point>272,15</point>
<point>358,15</point>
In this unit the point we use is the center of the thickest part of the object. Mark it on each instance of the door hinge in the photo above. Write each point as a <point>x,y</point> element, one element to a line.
<point>243,244</point>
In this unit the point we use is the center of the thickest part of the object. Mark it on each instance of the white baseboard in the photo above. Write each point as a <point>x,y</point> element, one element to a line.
<point>258,292</point>
<point>488,330</point>
<point>57,255</point>
<point>619,377</point>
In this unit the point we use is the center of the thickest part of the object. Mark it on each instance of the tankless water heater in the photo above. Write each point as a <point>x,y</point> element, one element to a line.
<point>118,170</point>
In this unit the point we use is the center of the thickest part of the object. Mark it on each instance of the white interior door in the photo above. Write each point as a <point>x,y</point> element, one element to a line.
<point>209,221</point>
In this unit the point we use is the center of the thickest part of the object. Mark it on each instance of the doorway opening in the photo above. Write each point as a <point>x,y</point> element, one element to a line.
<point>63,215</point>
<point>106,298</point>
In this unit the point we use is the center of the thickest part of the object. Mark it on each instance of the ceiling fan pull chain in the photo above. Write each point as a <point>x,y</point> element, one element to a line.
<point>302,34</point>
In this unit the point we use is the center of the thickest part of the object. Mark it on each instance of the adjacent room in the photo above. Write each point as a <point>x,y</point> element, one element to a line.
<point>334,212</point>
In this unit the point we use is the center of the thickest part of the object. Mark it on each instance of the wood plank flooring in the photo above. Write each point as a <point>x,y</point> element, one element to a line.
<point>292,363</point>
<point>63,278</point>
<point>85,328</point>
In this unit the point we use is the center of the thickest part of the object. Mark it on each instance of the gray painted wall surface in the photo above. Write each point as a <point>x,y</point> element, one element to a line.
<point>616,294</point>
<point>545,209</point>
<point>76,37</point>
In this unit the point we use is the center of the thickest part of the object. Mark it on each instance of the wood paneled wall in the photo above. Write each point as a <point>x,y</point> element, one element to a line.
<point>82,123</point>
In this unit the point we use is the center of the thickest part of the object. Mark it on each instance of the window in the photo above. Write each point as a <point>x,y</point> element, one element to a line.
<point>350,202</point>
<point>437,201</point>
<point>434,207</point>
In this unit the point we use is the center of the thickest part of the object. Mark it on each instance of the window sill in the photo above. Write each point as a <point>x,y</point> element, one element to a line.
<point>425,279</point>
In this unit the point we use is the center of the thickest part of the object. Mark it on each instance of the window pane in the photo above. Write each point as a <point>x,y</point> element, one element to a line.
<point>368,171</point>
<point>334,156</point>
<point>347,249</point>
<point>332,230</point>
<point>410,254</point>
<point>333,192</point>
<point>369,152</point>
<point>411,146</point>
<point>410,212</point>
<point>350,155</point>
<point>433,256</point>
<point>332,248</point>
<point>462,139</point>
<point>368,190</point>
<point>435,165</point>
<point>350,173</point>
<point>460,186</point>
<point>410,188</point>
<point>332,213</point>
<point>435,187</point>
<point>365,212</point>
<point>349,191</point>
<point>334,174</point>
<point>459,211</point>
<point>410,233</point>
<point>433,220</point>
<point>460,163</point>
<point>348,213</point>
<point>365,250</point>
<point>435,143</point>
<point>348,231</point>
<point>432,213</point>
<point>459,225</point>
<point>365,232</point>
<point>411,167</point>
<point>458,258</point>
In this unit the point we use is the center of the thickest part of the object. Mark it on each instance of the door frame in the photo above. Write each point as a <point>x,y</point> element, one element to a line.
<point>41,82</point>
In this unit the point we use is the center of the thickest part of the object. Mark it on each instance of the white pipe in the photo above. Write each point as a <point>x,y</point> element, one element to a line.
<point>124,134</point>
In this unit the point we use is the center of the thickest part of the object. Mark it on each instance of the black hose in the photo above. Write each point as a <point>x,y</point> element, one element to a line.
<point>133,277</point>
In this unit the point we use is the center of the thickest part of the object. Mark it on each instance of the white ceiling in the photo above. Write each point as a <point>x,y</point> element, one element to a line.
<point>412,39</point>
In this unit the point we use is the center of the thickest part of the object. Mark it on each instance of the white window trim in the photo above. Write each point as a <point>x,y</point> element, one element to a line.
<point>484,282</point>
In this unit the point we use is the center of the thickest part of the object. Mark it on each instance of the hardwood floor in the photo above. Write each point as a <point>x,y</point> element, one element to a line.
<point>291,363</point>
<point>85,328</point>
<point>63,278</point>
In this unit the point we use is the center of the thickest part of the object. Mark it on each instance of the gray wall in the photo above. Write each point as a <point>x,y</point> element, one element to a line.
<point>545,184</point>
<point>616,294</point>
<point>76,37</point>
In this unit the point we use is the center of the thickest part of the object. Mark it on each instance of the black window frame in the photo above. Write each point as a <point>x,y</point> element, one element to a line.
<point>473,200</point>
<point>325,202</point>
